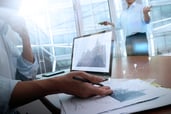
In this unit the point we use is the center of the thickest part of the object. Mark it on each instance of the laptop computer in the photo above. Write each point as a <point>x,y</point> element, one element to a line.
<point>93,53</point>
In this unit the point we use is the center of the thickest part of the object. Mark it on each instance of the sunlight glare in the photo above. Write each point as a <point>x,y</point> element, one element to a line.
<point>31,7</point>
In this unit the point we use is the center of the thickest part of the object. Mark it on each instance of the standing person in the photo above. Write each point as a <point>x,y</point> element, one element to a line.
<point>133,20</point>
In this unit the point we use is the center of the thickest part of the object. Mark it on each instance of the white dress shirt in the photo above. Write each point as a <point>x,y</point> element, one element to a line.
<point>10,60</point>
<point>132,20</point>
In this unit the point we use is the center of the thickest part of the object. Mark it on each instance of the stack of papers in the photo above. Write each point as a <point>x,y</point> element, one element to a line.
<point>128,96</point>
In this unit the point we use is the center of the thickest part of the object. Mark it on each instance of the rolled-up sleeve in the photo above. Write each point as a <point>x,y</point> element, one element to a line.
<point>27,68</point>
<point>6,88</point>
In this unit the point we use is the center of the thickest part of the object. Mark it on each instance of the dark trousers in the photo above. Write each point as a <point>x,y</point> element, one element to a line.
<point>137,45</point>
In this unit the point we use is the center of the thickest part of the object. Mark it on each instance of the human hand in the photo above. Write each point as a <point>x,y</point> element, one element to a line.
<point>82,89</point>
<point>147,9</point>
<point>104,23</point>
<point>18,24</point>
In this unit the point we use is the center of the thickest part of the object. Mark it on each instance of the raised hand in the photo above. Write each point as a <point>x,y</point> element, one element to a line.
<point>147,9</point>
<point>105,23</point>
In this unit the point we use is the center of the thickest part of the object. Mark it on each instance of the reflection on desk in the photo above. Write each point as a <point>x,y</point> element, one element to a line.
<point>155,67</point>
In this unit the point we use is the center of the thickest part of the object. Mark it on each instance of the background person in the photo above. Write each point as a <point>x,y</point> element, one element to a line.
<point>133,20</point>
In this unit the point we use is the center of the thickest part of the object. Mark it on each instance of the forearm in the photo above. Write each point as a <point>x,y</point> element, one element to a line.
<point>146,18</point>
<point>28,91</point>
<point>18,24</point>
<point>27,50</point>
<point>25,92</point>
<point>146,11</point>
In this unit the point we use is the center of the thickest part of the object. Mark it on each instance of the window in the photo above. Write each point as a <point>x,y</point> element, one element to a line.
<point>93,12</point>
<point>161,26</point>
<point>54,23</point>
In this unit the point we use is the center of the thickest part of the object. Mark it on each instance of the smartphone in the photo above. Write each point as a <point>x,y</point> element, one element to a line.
<point>48,74</point>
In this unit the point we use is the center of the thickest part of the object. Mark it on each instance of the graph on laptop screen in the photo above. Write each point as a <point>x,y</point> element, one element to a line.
<point>93,53</point>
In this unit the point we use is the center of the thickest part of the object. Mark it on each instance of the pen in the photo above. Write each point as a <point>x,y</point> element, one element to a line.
<point>86,80</point>
<point>52,73</point>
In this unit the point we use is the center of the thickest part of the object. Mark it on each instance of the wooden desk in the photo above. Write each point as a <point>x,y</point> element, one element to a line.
<point>158,68</point>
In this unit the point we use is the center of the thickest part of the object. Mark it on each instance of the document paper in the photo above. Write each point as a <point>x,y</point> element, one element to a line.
<point>125,93</point>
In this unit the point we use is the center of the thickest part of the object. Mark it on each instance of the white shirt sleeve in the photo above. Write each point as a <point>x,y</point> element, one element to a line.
<point>6,88</point>
<point>27,68</point>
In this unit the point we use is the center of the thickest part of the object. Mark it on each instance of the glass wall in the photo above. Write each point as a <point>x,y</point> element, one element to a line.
<point>52,27</point>
<point>161,26</point>
<point>54,23</point>
<point>92,13</point>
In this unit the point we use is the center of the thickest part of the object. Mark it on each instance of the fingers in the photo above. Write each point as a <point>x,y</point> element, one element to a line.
<point>101,91</point>
<point>104,23</point>
<point>91,77</point>
<point>150,6</point>
<point>89,89</point>
<point>147,9</point>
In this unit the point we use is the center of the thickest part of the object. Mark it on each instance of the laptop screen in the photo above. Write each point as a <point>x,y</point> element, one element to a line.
<point>93,53</point>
